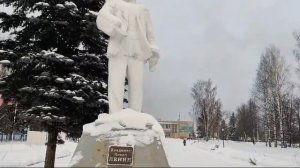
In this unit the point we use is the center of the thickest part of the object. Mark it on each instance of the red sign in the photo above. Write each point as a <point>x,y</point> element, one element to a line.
<point>10,103</point>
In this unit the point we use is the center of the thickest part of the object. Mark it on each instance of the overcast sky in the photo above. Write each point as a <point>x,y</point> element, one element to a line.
<point>217,39</point>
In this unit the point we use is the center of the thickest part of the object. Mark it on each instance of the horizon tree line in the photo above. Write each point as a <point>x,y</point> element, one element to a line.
<point>272,113</point>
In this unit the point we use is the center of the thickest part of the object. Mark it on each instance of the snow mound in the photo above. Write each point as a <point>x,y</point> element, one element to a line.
<point>127,126</point>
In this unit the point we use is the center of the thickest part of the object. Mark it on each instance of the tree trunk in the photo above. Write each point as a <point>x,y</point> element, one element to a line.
<point>10,136</point>
<point>51,148</point>
<point>281,132</point>
<point>290,142</point>
<point>257,133</point>
<point>269,139</point>
<point>266,137</point>
<point>206,131</point>
<point>275,131</point>
<point>298,117</point>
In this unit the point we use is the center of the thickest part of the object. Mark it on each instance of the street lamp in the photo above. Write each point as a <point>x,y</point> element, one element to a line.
<point>223,136</point>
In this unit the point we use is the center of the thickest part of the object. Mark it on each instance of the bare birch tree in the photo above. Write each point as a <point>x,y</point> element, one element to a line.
<point>206,109</point>
<point>270,91</point>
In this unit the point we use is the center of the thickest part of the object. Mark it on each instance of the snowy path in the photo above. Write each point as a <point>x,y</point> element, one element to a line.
<point>190,156</point>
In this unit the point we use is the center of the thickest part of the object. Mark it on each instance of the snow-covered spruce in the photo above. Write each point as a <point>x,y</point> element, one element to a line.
<point>49,52</point>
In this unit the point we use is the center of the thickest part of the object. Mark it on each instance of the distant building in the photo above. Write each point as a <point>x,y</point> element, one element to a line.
<point>177,129</point>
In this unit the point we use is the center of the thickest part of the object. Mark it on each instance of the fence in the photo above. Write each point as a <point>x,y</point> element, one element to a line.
<point>13,137</point>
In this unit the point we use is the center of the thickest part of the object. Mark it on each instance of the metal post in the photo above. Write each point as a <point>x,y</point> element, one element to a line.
<point>223,142</point>
<point>223,137</point>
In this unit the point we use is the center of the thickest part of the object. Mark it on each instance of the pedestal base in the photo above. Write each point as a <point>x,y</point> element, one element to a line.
<point>127,139</point>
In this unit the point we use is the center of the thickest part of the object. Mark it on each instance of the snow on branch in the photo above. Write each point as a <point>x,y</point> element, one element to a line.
<point>68,80</point>
<point>78,99</point>
<point>93,13</point>
<point>69,92</point>
<point>104,85</point>
<point>103,101</point>
<point>70,4</point>
<point>27,89</point>
<point>41,4</point>
<point>25,58</point>
<point>60,6</point>
<point>4,62</point>
<point>52,55</point>
<point>59,80</point>
<point>79,77</point>
<point>43,110</point>
<point>52,93</point>
<point>101,95</point>
<point>42,77</point>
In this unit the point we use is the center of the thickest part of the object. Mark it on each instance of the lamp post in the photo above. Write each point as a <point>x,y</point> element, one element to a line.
<point>223,136</point>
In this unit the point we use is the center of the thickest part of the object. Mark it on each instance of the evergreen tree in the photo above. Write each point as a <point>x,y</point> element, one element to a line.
<point>58,69</point>
<point>232,135</point>
<point>224,130</point>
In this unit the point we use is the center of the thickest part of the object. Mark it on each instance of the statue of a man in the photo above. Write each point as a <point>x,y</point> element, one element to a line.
<point>131,45</point>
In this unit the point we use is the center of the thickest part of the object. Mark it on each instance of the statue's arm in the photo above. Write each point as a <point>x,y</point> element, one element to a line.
<point>106,21</point>
<point>151,39</point>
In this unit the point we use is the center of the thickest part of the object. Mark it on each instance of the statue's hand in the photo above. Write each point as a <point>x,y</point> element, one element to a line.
<point>153,63</point>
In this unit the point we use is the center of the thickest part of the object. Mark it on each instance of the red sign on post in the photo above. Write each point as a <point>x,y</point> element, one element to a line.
<point>1,102</point>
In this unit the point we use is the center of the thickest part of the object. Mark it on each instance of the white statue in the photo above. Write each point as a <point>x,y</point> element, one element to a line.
<point>131,45</point>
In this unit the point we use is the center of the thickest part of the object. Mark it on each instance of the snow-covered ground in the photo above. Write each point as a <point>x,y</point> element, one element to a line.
<point>23,155</point>
<point>195,154</point>
<point>235,154</point>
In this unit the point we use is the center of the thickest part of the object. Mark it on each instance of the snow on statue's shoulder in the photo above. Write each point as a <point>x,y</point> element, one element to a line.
<point>127,122</point>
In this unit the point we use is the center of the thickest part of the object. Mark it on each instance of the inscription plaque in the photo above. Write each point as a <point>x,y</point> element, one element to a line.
<point>120,155</point>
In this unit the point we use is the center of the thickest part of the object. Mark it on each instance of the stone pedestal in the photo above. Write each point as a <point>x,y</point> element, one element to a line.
<point>125,139</point>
